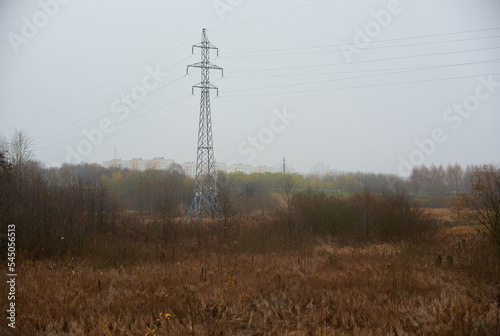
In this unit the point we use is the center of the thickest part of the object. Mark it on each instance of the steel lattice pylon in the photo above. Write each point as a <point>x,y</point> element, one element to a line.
<point>205,201</point>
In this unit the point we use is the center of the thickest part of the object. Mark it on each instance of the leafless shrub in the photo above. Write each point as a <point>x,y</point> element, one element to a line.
<point>483,200</point>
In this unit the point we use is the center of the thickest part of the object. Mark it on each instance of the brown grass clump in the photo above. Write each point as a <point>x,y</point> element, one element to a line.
<point>378,289</point>
<point>442,214</point>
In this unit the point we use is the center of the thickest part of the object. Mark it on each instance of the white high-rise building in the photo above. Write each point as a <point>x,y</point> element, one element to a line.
<point>265,169</point>
<point>139,164</point>
<point>190,168</point>
<point>239,167</point>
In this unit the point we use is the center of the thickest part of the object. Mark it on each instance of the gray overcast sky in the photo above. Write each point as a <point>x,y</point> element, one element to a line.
<point>361,86</point>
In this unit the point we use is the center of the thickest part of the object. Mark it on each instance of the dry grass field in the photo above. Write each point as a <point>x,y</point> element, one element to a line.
<point>376,289</point>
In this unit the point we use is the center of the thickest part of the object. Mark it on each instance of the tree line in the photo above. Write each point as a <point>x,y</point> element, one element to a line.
<point>86,208</point>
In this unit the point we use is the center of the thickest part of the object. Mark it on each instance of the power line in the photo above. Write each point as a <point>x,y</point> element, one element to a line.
<point>362,86</point>
<point>375,41</point>
<point>363,71</point>
<point>340,79</point>
<point>279,86</point>
<point>155,120</point>
<point>112,81</point>
<point>367,48</point>
<point>367,61</point>
<point>124,131</point>
<point>267,15</point>
<point>135,117</point>
<point>107,114</point>
<point>287,85</point>
<point>107,105</point>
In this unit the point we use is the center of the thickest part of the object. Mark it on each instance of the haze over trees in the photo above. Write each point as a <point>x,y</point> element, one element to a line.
<point>62,210</point>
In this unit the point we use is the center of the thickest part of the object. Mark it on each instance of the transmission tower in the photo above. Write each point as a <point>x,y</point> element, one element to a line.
<point>205,201</point>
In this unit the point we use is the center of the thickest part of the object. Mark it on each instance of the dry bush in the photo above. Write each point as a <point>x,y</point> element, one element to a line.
<point>482,200</point>
<point>365,216</point>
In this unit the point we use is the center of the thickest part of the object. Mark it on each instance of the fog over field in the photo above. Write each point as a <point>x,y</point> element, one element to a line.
<point>378,86</point>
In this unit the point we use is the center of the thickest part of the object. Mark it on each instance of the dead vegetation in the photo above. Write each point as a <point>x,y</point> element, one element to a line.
<point>334,289</point>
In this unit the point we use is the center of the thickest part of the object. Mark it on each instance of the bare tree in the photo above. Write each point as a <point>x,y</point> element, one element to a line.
<point>225,201</point>
<point>164,206</point>
<point>19,154</point>
<point>4,164</point>
<point>454,177</point>
<point>20,148</point>
<point>483,199</point>
<point>287,185</point>
<point>366,204</point>
<point>167,195</point>
<point>5,186</point>
<point>4,145</point>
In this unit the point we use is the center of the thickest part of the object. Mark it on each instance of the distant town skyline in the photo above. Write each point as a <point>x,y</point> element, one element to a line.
<point>189,167</point>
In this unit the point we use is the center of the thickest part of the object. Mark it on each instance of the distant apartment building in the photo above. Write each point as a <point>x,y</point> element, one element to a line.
<point>139,164</point>
<point>239,167</point>
<point>265,169</point>
<point>220,166</point>
<point>161,163</point>
<point>125,164</point>
<point>189,167</point>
